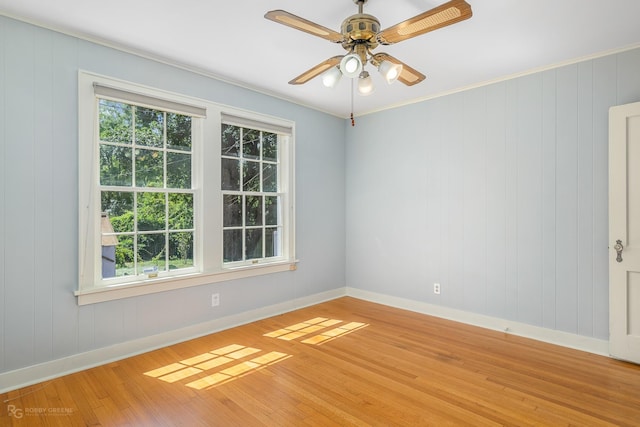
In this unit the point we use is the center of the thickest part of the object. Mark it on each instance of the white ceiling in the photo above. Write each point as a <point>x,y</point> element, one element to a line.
<point>232,40</point>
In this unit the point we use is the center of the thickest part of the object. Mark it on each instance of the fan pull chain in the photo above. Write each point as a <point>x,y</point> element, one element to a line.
<point>353,122</point>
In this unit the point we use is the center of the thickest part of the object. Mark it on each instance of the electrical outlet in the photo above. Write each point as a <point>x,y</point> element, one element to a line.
<point>436,288</point>
<point>215,300</point>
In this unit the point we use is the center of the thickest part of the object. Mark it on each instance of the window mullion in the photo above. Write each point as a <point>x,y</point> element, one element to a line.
<point>260,186</point>
<point>135,229</point>
<point>165,182</point>
<point>244,227</point>
<point>133,146</point>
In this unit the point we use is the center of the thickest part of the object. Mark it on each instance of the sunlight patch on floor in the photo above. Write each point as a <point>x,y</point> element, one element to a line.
<point>225,364</point>
<point>214,359</point>
<point>314,325</point>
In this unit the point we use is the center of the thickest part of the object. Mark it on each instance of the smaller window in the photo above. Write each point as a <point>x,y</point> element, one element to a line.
<point>254,194</point>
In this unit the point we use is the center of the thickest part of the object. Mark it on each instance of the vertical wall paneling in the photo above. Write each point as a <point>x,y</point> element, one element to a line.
<point>3,180</point>
<point>495,205</point>
<point>453,142</point>
<point>443,199</point>
<point>19,192</point>
<point>585,199</point>
<point>86,331</point>
<point>43,195</point>
<point>108,323</point>
<point>604,96</point>
<point>432,219</point>
<point>65,207</point>
<point>511,199</point>
<point>529,199</point>
<point>130,319</point>
<point>549,183</point>
<point>474,165</point>
<point>566,199</point>
<point>531,153</point>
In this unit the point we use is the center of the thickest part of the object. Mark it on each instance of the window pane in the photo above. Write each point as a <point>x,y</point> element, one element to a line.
<point>151,252</point>
<point>232,211</point>
<point>230,140</point>
<point>231,174</point>
<point>115,165</point>
<point>178,132</point>
<point>180,250</point>
<point>149,168</point>
<point>269,177</point>
<point>269,146</point>
<point>251,144</point>
<point>251,176</point>
<point>254,243</point>
<point>178,170</point>
<point>271,210</point>
<point>151,211</point>
<point>118,205</point>
<point>124,257</point>
<point>232,241</point>
<point>149,127</point>
<point>115,122</point>
<point>272,242</point>
<point>108,246</point>
<point>253,210</point>
<point>180,211</point>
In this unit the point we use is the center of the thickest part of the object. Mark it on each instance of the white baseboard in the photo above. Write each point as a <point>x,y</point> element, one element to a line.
<point>565,339</point>
<point>56,368</point>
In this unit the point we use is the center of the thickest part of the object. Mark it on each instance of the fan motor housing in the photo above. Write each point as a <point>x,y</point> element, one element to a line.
<point>360,29</point>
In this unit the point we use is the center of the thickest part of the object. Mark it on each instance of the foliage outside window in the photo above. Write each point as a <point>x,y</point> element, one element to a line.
<point>146,191</point>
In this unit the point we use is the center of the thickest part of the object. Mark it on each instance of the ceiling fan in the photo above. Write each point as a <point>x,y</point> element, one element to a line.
<point>360,34</point>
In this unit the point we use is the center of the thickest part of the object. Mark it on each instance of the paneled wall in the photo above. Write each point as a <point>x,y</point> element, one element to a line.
<point>39,318</point>
<point>498,193</point>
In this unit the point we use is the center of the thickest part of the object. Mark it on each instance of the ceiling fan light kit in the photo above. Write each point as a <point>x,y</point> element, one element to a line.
<point>332,77</point>
<point>365,84</point>
<point>351,65</point>
<point>361,34</point>
<point>390,71</point>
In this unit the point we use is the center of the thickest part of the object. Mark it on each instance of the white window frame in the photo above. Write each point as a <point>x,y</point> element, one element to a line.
<point>208,209</point>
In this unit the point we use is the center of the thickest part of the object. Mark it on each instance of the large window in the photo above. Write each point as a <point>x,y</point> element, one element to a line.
<point>177,191</point>
<point>146,191</point>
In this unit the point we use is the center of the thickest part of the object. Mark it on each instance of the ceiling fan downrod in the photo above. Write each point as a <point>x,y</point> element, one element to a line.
<point>360,4</point>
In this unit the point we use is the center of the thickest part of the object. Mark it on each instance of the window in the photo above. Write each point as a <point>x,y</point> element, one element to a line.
<point>251,221</point>
<point>177,191</point>
<point>146,191</point>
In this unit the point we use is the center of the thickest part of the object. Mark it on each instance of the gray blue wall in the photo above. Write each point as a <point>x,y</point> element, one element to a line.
<point>39,318</point>
<point>498,193</point>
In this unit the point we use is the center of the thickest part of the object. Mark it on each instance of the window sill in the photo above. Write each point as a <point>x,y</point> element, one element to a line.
<point>108,293</point>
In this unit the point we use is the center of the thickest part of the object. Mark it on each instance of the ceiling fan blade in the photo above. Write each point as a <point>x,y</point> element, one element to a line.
<point>441,16</point>
<point>317,70</point>
<point>409,76</point>
<point>293,21</point>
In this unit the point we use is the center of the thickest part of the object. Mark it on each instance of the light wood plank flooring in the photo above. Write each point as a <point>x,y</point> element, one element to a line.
<point>345,362</point>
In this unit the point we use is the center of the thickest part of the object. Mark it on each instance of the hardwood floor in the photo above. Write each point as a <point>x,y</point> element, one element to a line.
<point>344,362</point>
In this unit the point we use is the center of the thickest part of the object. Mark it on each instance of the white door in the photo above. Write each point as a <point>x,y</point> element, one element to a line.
<point>624,232</point>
